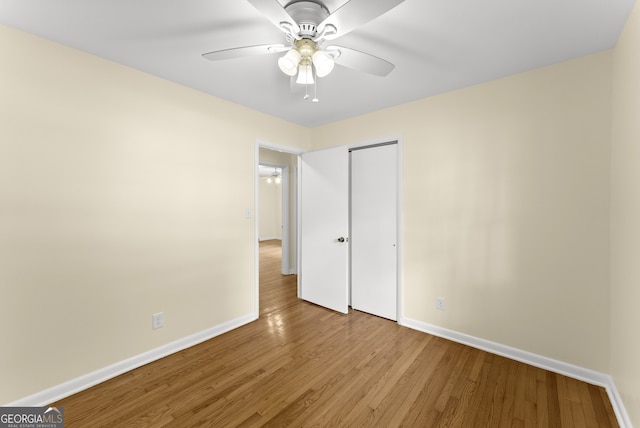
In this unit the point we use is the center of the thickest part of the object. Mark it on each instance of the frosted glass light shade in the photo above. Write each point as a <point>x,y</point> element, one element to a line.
<point>289,62</point>
<point>324,63</point>
<point>305,75</point>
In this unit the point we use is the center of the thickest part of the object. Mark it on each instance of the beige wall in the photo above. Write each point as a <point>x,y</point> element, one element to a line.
<point>270,212</point>
<point>625,218</point>
<point>121,195</point>
<point>505,207</point>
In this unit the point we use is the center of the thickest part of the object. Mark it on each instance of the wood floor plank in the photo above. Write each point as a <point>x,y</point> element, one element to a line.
<point>553,401</point>
<point>497,397</point>
<point>422,374</point>
<point>508,406</point>
<point>436,389</point>
<point>463,353</point>
<point>519,400</point>
<point>302,365</point>
<point>587,405</point>
<point>542,406</point>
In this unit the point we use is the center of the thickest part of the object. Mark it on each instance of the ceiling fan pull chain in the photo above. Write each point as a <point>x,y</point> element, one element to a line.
<point>315,87</point>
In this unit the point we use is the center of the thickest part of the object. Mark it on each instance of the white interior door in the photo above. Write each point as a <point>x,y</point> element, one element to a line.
<point>374,230</point>
<point>324,214</point>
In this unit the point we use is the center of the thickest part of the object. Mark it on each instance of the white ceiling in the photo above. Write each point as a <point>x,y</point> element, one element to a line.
<point>436,45</point>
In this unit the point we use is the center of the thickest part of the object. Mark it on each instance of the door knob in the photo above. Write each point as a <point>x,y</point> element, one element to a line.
<point>342,239</point>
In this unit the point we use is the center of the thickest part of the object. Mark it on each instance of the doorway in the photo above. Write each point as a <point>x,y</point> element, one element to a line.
<point>274,209</point>
<point>277,172</point>
<point>278,165</point>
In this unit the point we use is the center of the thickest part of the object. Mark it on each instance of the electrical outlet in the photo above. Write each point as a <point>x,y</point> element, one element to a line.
<point>157,320</point>
<point>440,303</point>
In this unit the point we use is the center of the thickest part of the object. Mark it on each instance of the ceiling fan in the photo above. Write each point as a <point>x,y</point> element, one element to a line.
<point>309,26</point>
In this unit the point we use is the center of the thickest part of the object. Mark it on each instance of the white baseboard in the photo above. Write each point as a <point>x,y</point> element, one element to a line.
<point>88,380</point>
<point>570,370</point>
<point>270,238</point>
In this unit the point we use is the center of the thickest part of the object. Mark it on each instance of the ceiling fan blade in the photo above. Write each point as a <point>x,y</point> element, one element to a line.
<point>275,13</point>
<point>244,51</point>
<point>362,61</point>
<point>355,13</point>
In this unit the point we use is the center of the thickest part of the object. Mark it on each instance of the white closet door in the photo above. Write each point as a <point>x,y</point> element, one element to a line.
<point>324,224</point>
<point>374,230</point>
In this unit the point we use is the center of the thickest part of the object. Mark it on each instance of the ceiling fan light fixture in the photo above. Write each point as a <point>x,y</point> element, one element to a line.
<point>323,62</point>
<point>289,62</point>
<point>305,75</point>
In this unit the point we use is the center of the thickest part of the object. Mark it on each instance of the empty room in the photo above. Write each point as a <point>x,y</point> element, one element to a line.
<point>458,228</point>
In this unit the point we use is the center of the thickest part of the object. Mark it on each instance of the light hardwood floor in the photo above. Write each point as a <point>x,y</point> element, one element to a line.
<point>303,365</point>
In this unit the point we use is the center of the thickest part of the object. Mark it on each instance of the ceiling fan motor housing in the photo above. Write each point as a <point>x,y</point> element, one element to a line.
<point>308,15</point>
